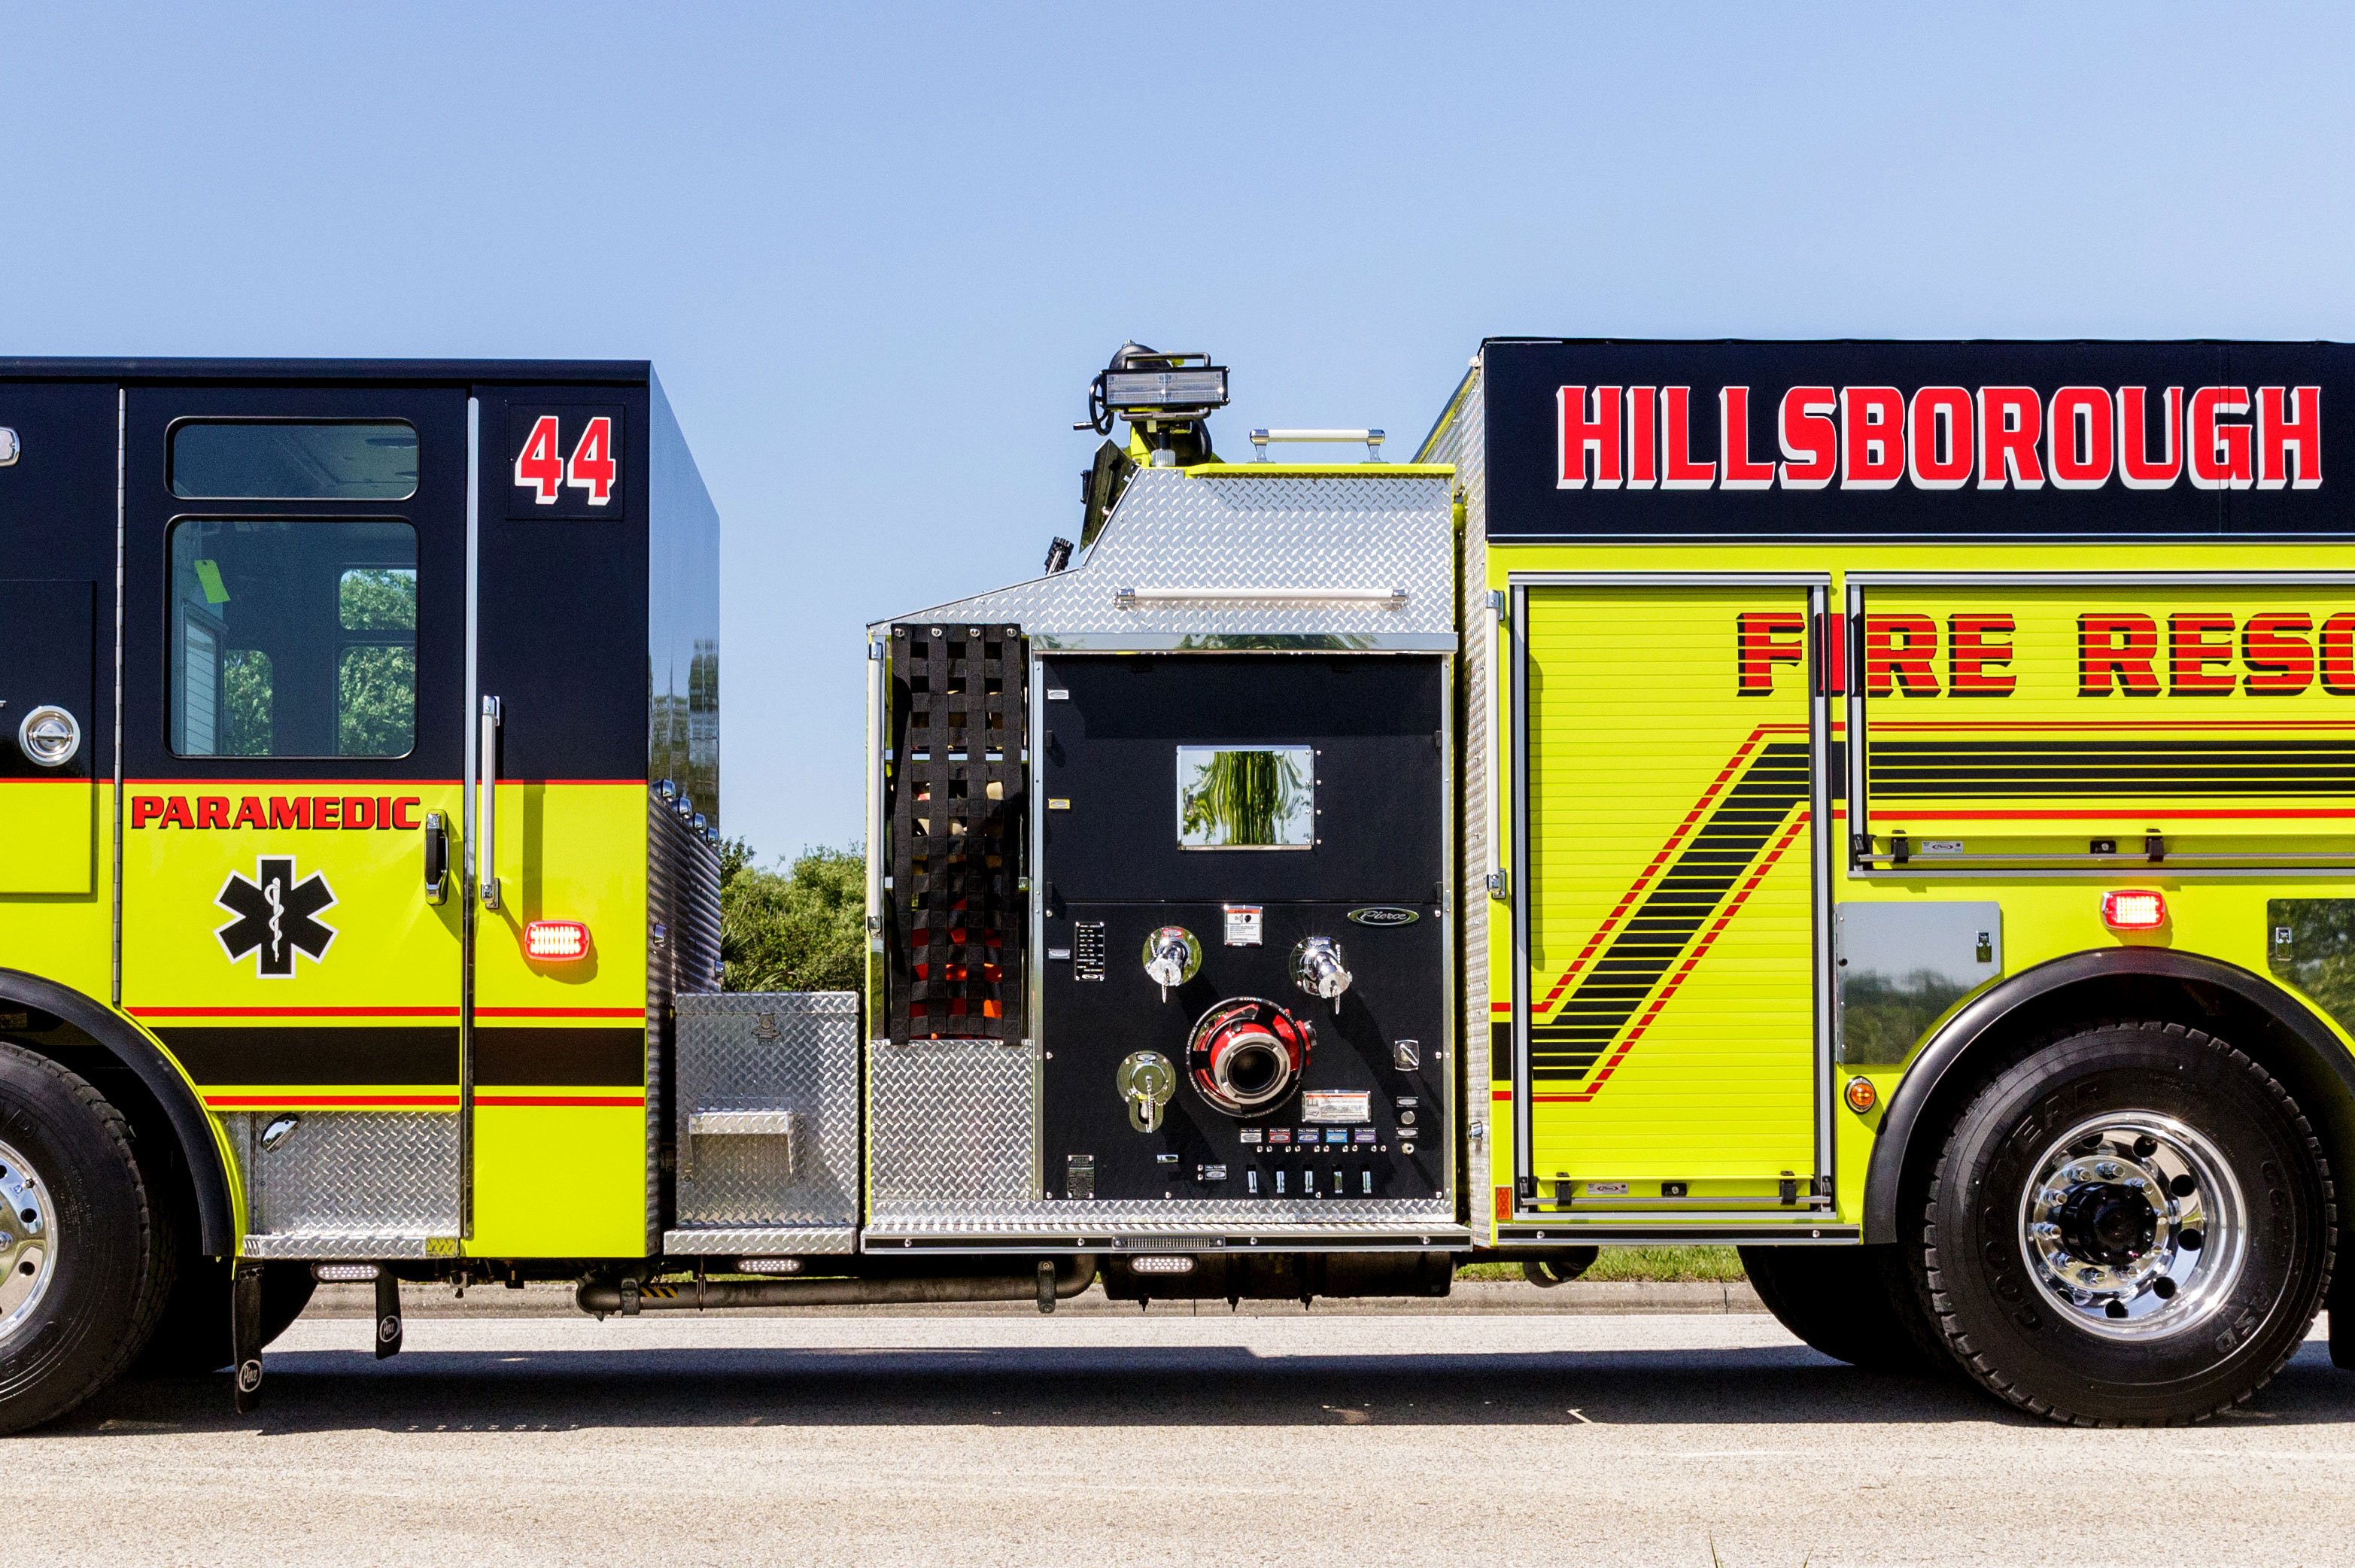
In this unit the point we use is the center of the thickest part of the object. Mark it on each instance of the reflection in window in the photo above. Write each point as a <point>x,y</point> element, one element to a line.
<point>289,460</point>
<point>294,639</point>
<point>1239,798</point>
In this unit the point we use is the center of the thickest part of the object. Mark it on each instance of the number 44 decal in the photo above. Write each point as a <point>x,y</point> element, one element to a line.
<point>590,467</point>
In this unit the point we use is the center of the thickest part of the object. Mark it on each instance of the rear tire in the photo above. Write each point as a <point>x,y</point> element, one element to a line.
<point>1853,1304</point>
<point>85,1273</point>
<point>2129,1226</point>
<point>194,1335</point>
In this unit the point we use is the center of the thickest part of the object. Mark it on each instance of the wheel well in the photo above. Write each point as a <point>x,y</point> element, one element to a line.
<point>170,1131</point>
<point>2248,1010</point>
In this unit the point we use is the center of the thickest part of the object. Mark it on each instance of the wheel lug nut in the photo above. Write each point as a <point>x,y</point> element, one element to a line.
<point>2107,1170</point>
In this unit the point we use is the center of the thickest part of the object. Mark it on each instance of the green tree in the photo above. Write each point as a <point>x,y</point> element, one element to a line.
<point>799,929</point>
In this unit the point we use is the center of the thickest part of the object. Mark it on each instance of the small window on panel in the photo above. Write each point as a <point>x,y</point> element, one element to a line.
<point>294,460</point>
<point>294,639</point>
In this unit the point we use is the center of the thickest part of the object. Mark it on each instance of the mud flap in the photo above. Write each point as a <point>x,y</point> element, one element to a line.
<point>388,1314</point>
<point>245,1335</point>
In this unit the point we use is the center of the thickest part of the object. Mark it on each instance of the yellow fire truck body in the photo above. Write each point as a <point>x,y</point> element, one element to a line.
<point>1887,807</point>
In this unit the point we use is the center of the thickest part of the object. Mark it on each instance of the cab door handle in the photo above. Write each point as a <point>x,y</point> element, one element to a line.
<point>437,857</point>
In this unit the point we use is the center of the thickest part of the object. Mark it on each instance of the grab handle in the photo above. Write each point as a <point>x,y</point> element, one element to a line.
<point>487,805</point>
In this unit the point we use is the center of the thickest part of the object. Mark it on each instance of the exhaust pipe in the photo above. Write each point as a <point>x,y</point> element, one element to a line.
<point>1052,1282</point>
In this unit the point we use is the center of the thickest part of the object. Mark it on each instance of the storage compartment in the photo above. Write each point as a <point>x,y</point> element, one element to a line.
<point>767,1123</point>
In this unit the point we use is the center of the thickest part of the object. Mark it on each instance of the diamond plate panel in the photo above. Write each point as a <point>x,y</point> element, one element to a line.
<point>750,1053</point>
<point>955,1122</point>
<point>1462,439</point>
<point>1241,531</point>
<point>954,1216</point>
<point>344,1177</point>
<point>319,1247</point>
<point>762,1242</point>
<point>683,901</point>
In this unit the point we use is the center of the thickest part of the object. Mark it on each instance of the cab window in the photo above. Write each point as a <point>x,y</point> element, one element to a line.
<point>294,459</point>
<point>294,638</point>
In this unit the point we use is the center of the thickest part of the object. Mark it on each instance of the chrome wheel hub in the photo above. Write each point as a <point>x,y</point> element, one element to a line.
<point>2133,1225</point>
<point>28,1241</point>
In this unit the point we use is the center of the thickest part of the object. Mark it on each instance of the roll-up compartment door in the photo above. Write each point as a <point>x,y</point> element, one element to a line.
<point>1666,1028</point>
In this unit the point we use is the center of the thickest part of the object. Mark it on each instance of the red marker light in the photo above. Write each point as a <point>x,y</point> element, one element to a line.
<point>2134,909</point>
<point>555,940</point>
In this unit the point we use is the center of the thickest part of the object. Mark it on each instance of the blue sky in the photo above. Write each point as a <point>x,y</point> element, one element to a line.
<point>876,252</point>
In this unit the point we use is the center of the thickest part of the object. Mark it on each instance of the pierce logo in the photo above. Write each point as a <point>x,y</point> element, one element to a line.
<point>277,916</point>
<point>1385,915</point>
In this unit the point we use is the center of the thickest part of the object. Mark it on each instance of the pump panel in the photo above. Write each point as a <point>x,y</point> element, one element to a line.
<point>1244,938</point>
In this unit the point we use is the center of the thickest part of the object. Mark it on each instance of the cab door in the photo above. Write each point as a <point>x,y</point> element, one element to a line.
<point>295,719</point>
<point>1668,1040</point>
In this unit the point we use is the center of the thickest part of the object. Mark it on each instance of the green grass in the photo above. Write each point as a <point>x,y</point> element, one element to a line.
<point>1638,1264</point>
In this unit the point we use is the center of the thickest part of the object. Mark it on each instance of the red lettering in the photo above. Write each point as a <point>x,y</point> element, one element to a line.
<point>250,813</point>
<point>1872,437</point>
<point>2081,439</point>
<point>1762,639</point>
<point>2136,469</point>
<point>359,811</point>
<point>384,811</point>
<point>592,466</point>
<point>144,808</point>
<point>2012,422</point>
<point>212,811</point>
<point>2218,449</point>
<point>1583,432</point>
<point>285,813</point>
<point>539,464</point>
<point>1970,650</point>
<point>327,810</point>
<point>1643,437</point>
<point>1733,442</point>
<point>400,810</point>
<point>2192,646</point>
<point>2280,433</point>
<point>2338,655</point>
<point>1678,470</point>
<point>2280,660</point>
<point>176,812</point>
<point>1938,439</point>
<point>1808,438</point>
<point>1897,652</point>
<point>2117,650</point>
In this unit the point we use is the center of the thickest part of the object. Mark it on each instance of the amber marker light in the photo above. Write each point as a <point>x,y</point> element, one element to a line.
<point>2134,909</point>
<point>555,940</point>
<point>1860,1095</point>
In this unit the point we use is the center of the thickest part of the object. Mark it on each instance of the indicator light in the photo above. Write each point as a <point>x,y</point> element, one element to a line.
<point>343,1274</point>
<point>2134,909</point>
<point>555,940</point>
<point>1860,1095</point>
<point>1161,1262</point>
<point>768,1265</point>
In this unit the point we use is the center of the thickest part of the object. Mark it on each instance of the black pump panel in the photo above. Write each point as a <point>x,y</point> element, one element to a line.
<point>1255,800</point>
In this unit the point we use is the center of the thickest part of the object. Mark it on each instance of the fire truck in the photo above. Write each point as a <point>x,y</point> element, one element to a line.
<point>1887,807</point>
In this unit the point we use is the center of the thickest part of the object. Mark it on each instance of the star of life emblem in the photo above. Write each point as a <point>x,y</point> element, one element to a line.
<point>277,916</point>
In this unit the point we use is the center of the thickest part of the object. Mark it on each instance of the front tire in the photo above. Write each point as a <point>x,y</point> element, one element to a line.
<point>85,1267</point>
<point>2129,1226</point>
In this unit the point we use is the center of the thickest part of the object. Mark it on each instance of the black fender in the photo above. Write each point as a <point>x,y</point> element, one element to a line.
<point>190,1124</point>
<point>2298,1046</point>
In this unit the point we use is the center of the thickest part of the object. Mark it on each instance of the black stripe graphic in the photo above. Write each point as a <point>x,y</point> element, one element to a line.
<point>600,1058</point>
<point>1952,770</point>
<point>311,1053</point>
<point>1671,914</point>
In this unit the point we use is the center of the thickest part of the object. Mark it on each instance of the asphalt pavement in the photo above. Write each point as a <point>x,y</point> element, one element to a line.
<point>1114,1437</point>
